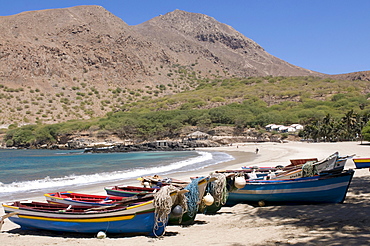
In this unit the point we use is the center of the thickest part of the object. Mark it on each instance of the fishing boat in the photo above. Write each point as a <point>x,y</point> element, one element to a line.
<point>157,181</point>
<point>127,191</point>
<point>362,162</point>
<point>325,188</point>
<point>301,168</point>
<point>79,199</point>
<point>127,218</point>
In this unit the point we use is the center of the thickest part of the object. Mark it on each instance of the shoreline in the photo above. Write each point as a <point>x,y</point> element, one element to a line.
<point>243,224</point>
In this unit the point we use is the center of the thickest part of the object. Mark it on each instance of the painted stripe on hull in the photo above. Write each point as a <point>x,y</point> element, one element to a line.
<point>115,218</point>
<point>362,162</point>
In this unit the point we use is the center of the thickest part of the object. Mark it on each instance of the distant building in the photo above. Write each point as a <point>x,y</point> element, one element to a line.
<point>284,129</point>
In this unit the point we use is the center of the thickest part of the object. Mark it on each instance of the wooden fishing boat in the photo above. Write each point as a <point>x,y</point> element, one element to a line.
<point>127,191</point>
<point>134,217</point>
<point>325,188</point>
<point>158,181</point>
<point>300,167</point>
<point>294,163</point>
<point>362,162</point>
<point>78,199</point>
<point>194,197</point>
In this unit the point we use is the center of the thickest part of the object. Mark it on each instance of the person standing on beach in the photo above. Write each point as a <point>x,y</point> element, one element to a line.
<point>257,150</point>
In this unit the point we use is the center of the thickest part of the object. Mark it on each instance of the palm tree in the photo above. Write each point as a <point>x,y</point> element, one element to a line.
<point>350,122</point>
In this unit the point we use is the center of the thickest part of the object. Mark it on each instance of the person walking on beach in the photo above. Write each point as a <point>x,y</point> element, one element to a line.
<point>257,150</point>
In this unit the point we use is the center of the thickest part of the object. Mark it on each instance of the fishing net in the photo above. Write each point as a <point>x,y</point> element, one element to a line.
<point>218,189</point>
<point>309,169</point>
<point>192,197</point>
<point>163,203</point>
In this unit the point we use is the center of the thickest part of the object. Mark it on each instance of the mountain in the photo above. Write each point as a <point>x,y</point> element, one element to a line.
<point>214,46</point>
<point>82,62</point>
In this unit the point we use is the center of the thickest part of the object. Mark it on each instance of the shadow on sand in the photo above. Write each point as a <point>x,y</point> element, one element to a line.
<point>327,224</point>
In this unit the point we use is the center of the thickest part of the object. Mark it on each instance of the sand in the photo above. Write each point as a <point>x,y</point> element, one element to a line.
<point>242,224</point>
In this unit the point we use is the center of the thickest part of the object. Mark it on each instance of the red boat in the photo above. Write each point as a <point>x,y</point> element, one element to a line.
<point>77,199</point>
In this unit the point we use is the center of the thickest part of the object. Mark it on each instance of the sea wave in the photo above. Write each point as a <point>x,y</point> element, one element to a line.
<point>204,159</point>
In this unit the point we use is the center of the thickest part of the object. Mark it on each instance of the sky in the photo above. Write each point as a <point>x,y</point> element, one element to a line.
<point>327,36</point>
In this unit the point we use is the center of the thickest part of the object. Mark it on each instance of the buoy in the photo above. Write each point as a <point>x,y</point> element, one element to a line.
<point>239,182</point>
<point>101,235</point>
<point>177,211</point>
<point>208,199</point>
<point>261,203</point>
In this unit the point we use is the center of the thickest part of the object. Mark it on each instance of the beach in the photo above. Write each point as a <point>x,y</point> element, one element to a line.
<point>242,224</point>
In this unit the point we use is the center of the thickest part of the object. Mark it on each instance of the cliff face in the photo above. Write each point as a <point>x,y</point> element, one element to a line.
<point>83,61</point>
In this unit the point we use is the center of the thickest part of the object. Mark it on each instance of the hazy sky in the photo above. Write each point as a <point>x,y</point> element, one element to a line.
<point>328,36</point>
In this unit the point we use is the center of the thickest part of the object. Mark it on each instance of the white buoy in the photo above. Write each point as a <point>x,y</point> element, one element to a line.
<point>239,182</point>
<point>208,199</point>
<point>101,235</point>
<point>146,184</point>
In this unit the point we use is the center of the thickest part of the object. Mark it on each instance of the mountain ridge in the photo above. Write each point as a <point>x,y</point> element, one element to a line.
<point>82,62</point>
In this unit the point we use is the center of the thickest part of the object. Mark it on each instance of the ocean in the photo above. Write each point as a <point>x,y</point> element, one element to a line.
<point>24,173</point>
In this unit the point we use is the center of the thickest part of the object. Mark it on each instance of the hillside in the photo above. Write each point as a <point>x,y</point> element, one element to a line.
<point>362,75</point>
<point>82,62</point>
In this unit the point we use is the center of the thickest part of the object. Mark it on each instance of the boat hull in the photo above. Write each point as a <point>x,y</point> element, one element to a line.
<point>139,219</point>
<point>77,199</point>
<point>128,191</point>
<point>362,162</point>
<point>330,188</point>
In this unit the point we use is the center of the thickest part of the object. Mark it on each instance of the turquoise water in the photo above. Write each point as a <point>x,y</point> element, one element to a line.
<point>44,170</point>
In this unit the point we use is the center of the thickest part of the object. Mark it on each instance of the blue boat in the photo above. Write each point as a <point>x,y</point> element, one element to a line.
<point>128,191</point>
<point>326,188</point>
<point>133,218</point>
<point>362,162</point>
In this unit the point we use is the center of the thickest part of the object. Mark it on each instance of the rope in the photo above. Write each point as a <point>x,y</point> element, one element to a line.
<point>218,189</point>
<point>192,197</point>
<point>163,203</point>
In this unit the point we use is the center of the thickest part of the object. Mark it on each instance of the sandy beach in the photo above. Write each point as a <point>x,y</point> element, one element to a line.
<point>242,224</point>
